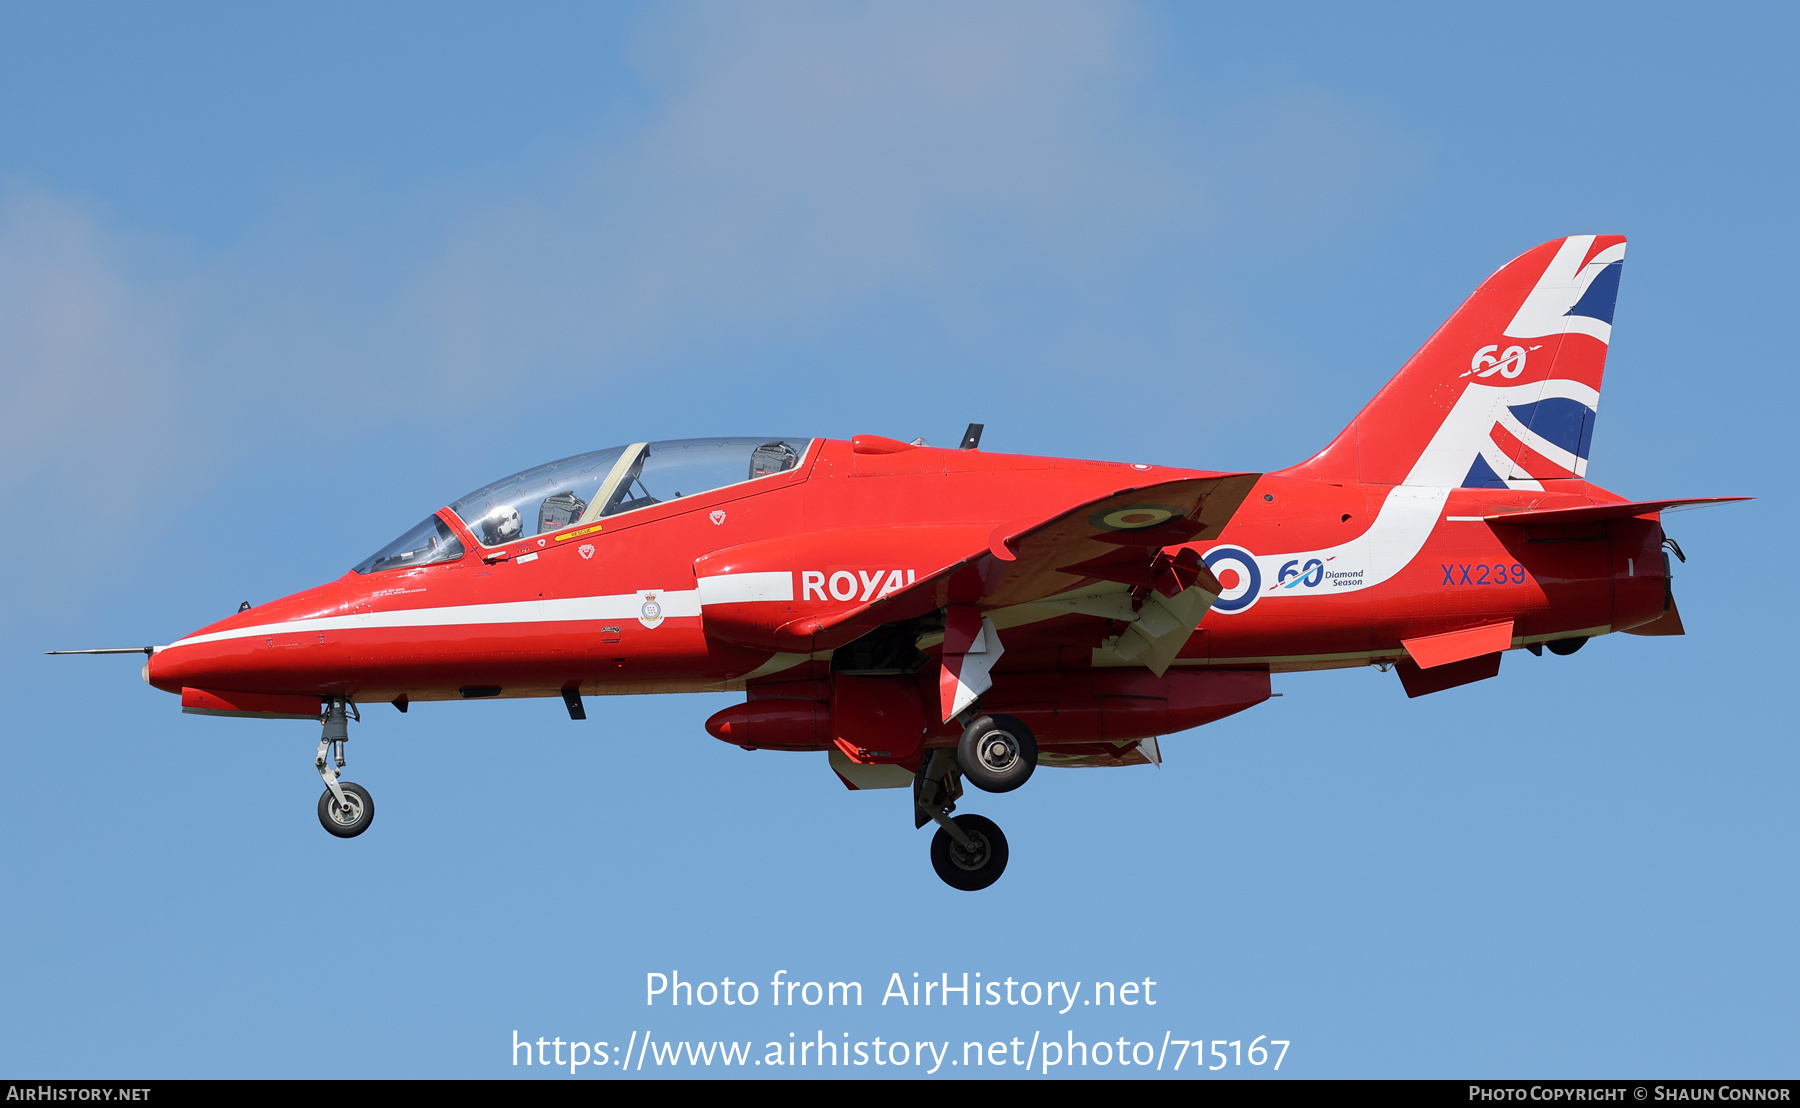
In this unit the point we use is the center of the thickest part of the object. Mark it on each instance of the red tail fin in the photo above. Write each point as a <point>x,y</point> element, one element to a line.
<point>1505,393</point>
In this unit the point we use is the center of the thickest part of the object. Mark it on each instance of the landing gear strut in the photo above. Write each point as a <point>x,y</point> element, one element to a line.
<point>968,852</point>
<point>345,808</point>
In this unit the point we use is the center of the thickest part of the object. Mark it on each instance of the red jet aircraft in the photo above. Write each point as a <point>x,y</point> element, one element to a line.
<point>925,616</point>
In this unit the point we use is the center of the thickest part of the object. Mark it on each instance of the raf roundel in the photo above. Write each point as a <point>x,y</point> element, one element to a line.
<point>1134,517</point>
<point>1236,569</point>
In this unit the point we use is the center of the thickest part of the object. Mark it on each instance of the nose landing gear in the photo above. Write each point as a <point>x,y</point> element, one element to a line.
<point>349,817</point>
<point>345,808</point>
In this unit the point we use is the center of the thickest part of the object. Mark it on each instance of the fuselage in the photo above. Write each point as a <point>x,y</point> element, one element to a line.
<point>1315,574</point>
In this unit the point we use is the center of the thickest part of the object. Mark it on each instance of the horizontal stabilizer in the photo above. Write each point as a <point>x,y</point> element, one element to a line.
<point>1594,512</point>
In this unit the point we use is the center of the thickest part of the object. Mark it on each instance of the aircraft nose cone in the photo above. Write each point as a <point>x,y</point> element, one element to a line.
<point>158,671</point>
<point>206,665</point>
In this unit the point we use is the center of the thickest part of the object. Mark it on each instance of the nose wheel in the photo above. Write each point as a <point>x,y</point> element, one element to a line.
<point>349,817</point>
<point>345,808</point>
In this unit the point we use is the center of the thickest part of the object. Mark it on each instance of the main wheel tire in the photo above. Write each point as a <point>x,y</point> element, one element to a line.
<point>1562,648</point>
<point>347,823</point>
<point>970,870</point>
<point>997,753</point>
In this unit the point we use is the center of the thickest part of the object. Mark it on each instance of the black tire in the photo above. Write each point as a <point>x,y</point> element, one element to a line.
<point>1562,648</point>
<point>957,867</point>
<point>347,825</point>
<point>997,753</point>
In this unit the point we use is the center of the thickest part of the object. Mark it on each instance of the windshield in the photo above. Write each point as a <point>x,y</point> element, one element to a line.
<point>619,479</point>
<point>431,541</point>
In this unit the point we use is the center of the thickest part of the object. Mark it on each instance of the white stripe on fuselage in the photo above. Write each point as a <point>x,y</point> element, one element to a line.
<point>721,589</point>
<point>1393,540</point>
<point>746,588</point>
<point>572,610</point>
<point>1411,510</point>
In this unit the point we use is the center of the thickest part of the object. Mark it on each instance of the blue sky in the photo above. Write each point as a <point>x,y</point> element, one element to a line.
<point>276,282</point>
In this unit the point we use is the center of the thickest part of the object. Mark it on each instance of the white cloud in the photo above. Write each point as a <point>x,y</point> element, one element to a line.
<point>86,355</point>
<point>803,160</point>
<point>87,375</point>
<point>1016,175</point>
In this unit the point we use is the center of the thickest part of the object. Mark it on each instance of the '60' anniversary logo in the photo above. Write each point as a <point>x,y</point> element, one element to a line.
<point>1242,578</point>
<point>1490,359</point>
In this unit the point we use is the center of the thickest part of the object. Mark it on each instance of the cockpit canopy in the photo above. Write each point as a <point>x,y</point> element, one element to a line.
<point>588,487</point>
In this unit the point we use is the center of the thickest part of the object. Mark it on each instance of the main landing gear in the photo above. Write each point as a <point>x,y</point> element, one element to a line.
<point>974,857</point>
<point>345,808</point>
<point>997,754</point>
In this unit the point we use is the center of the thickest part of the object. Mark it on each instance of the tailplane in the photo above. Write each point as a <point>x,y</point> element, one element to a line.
<point>1504,395</point>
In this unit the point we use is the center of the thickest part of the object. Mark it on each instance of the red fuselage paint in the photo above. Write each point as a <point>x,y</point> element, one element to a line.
<point>843,522</point>
<point>1418,536</point>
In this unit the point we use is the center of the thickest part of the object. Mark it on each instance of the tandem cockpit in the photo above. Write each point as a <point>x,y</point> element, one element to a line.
<point>587,488</point>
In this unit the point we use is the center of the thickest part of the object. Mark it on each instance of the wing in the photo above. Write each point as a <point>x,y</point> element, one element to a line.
<point>1118,538</point>
<point>1105,559</point>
